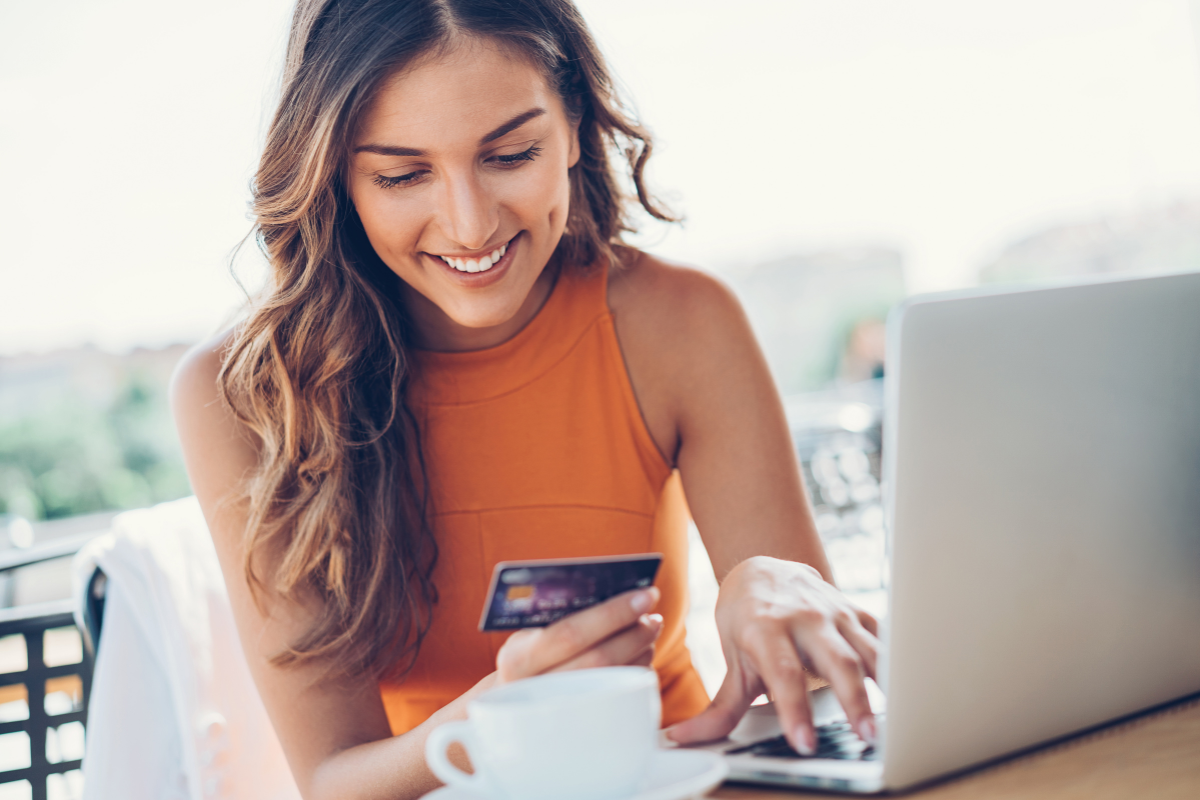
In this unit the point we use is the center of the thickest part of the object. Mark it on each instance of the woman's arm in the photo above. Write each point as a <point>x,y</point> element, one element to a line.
<point>712,407</point>
<point>335,734</point>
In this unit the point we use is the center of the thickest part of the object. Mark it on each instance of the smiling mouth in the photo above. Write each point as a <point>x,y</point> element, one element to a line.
<point>481,264</point>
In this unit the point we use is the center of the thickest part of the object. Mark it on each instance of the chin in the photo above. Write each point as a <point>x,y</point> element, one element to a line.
<point>480,319</point>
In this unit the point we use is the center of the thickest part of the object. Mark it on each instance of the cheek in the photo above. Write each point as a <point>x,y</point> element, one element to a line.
<point>388,222</point>
<point>540,195</point>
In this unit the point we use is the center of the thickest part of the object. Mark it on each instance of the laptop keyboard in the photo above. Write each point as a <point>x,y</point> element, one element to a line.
<point>835,740</point>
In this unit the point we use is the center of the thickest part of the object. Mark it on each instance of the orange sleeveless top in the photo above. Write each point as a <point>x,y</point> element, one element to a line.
<point>536,448</point>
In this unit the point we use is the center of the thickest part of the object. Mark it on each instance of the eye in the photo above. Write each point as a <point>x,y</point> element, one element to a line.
<point>517,158</point>
<point>385,182</point>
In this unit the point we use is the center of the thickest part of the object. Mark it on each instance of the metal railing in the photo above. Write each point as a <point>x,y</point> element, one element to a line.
<point>55,693</point>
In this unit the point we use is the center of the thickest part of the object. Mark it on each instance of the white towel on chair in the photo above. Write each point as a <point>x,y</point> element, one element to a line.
<point>174,712</point>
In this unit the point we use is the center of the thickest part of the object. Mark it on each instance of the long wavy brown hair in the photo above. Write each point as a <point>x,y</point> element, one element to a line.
<point>319,371</point>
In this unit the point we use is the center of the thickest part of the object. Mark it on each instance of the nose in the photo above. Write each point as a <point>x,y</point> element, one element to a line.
<point>469,213</point>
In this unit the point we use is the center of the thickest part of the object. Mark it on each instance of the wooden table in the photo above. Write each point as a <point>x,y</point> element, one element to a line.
<point>1155,756</point>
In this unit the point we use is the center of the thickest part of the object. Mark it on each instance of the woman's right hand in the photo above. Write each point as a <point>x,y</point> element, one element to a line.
<point>620,631</point>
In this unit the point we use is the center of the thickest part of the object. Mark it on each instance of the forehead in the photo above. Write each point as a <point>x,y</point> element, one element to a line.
<point>457,94</point>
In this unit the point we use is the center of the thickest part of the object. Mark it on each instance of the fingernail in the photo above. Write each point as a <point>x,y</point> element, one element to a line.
<point>867,732</point>
<point>805,740</point>
<point>641,601</point>
<point>654,619</point>
<point>670,733</point>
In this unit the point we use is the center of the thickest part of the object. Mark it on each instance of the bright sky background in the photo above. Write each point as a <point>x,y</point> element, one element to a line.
<point>129,130</point>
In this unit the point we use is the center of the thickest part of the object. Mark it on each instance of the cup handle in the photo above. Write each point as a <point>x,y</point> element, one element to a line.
<point>435,755</point>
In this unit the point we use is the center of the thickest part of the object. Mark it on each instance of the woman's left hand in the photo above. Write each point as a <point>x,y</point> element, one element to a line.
<point>776,619</point>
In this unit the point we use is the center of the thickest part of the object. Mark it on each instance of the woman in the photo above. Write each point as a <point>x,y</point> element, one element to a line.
<point>457,363</point>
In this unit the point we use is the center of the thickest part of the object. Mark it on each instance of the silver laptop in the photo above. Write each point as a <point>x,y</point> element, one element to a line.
<point>1042,484</point>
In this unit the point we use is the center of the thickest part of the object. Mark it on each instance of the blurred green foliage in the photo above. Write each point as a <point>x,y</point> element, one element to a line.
<point>73,458</point>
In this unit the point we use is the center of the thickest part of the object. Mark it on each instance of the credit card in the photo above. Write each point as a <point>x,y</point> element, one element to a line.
<point>532,594</point>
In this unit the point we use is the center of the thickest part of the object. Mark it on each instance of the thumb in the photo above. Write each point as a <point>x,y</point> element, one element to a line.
<point>722,715</point>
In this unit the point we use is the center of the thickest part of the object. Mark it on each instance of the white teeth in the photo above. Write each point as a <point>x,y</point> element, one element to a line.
<point>471,265</point>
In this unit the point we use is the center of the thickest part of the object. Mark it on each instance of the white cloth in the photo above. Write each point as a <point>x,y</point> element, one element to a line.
<point>174,713</point>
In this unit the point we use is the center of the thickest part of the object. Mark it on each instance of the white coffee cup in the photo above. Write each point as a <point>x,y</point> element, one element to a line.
<point>584,734</point>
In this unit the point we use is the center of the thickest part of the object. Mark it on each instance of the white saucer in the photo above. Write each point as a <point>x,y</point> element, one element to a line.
<point>674,775</point>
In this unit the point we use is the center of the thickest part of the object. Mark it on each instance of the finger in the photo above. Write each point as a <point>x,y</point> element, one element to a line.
<point>773,655</point>
<point>837,661</point>
<point>536,650</point>
<point>625,647</point>
<point>864,643</point>
<point>868,621</point>
<point>723,713</point>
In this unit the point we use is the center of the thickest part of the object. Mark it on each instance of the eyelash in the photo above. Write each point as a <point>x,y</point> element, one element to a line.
<point>527,155</point>
<point>508,161</point>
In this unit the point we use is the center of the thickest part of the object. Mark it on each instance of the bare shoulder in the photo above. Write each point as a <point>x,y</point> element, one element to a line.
<point>194,383</point>
<point>195,393</point>
<point>653,291</point>
<point>683,335</point>
<point>680,321</point>
<point>218,451</point>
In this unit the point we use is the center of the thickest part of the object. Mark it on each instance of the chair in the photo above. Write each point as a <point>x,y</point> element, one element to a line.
<point>172,711</point>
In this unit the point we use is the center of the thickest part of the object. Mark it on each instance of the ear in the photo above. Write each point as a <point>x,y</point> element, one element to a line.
<point>573,154</point>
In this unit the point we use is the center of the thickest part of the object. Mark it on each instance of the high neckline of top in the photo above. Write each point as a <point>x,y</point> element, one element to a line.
<point>577,299</point>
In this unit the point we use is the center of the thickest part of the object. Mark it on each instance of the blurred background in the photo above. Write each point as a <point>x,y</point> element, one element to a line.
<point>830,158</point>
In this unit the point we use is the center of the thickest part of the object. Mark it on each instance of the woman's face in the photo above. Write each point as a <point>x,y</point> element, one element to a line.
<point>459,174</point>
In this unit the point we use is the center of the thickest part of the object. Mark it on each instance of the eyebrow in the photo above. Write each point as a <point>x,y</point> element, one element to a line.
<point>512,125</point>
<point>508,127</point>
